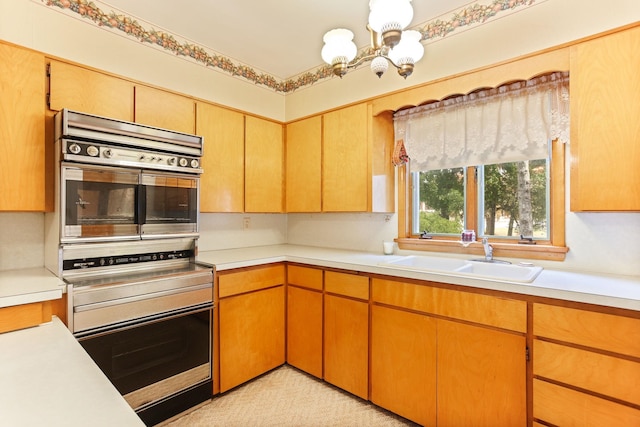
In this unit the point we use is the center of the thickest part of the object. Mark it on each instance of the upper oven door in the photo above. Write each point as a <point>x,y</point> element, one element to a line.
<point>99,203</point>
<point>170,205</point>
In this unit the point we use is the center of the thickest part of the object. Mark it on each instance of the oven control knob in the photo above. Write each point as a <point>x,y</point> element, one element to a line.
<point>183,162</point>
<point>194,163</point>
<point>107,153</point>
<point>102,261</point>
<point>75,149</point>
<point>171,161</point>
<point>92,150</point>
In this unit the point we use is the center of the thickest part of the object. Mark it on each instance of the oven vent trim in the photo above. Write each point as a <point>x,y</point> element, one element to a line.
<point>71,124</point>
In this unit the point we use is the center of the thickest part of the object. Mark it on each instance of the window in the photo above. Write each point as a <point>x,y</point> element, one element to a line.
<point>492,162</point>
<point>513,200</point>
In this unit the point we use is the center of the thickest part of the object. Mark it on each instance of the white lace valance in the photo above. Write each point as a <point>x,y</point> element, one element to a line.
<point>505,124</point>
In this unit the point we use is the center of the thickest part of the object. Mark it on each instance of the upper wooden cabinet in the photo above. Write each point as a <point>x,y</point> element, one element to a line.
<point>264,166</point>
<point>222,183</point>
<point>88,91</point>
<point>605,130</point>
<point>22,132</point>
<point>357,174</point>
<point>345,160</point>
<point>304,165</point>
<point>166,110</point>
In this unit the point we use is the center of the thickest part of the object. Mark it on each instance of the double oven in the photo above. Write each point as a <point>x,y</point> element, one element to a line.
<point>124,238</point>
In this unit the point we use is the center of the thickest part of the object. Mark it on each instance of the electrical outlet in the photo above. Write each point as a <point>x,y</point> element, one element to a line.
<point>246,222</point>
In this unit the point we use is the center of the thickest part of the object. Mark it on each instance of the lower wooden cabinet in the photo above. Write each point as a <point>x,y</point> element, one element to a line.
<point>586,367</point>
<point>481,376</point>
<point>304,319</point>
<point>346,332</point>
<point>251,324</point>
<point>403,363</point>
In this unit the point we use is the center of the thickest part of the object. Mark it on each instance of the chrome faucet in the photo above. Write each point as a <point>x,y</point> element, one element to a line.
<point>488,249</point>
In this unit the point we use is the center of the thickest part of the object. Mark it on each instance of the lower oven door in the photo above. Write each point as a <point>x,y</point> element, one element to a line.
<point>151,361</point>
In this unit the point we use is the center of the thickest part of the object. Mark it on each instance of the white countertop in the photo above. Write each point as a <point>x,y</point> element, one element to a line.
<point>606,290</point>
<point>29,285</point>
<point>46,378</point>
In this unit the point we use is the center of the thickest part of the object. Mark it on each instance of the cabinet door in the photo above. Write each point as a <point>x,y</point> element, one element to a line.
<point>22,132</point>
<point>166,110</point>
<point>345,164</point>
<point>481,376</point>
<point>304,165</point>
<point>251,335</point>
<point>88,91</point>
<point>346,337</point>
<point>605,130</point>
<point>304,330</point>
<point>264,166</point>
<point>222,183</point>
<point>403,363</point>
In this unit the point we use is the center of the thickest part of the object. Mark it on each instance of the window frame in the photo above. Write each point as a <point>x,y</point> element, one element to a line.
<point>552,249</point>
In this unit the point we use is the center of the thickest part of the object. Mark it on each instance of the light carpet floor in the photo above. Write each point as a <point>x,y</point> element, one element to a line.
<point>288,397</point>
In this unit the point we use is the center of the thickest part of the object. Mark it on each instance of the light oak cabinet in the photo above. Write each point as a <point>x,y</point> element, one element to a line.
<point>403,363</point>
<point>304,319</point>
<point>586,367</point>
<point>25,315</point>
<point>460,357</point>
<point>166,110</point>
<point>22,132</point>
<point>264,166</point>
<point>222,183</point>
<point>357,173</point>
<point>89,91</point>
<point>304,165</point>
<point>346,332</point>
<point>605,130</point>
<point>251,310</point>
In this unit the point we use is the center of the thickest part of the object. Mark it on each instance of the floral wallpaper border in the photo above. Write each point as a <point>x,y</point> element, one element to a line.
<point>474,14</point>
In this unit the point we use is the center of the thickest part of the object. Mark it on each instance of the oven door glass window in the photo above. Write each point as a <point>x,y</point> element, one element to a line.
<point>171,204</point>
<point>154,360</point>
<point>99,203</point>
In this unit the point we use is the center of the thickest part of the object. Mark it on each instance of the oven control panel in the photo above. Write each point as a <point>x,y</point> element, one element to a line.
<point>119,260</point>
<point>89,152</point>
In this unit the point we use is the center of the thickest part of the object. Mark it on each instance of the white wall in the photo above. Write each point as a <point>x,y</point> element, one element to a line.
<point>598,242</point>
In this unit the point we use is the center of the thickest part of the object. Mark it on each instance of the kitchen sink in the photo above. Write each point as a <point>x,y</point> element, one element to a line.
<point>501,271</point>
<point>426,263</point>
<point>481,269</point>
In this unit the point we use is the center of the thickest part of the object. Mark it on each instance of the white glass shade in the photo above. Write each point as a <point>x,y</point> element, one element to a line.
<point>338,45</point>
<point>379,65</point>
<point>388,15</point>
<point>409,50</point>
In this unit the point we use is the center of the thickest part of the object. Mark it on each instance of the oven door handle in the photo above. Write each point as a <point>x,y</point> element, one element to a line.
<point>119,301</point>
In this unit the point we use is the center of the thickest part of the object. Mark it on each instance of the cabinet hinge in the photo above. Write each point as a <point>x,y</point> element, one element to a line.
<point>527,354</point>
<point>48,70</point>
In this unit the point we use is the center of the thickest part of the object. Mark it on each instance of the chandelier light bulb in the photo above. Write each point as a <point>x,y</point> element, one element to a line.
<point>388,15</point>
<point>409,50</point>
<point>338,46</point>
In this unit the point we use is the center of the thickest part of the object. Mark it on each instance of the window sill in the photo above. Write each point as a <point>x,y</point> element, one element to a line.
<point>500,250</point>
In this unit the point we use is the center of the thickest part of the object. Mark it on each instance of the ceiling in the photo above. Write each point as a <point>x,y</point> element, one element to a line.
<point>280,37</point>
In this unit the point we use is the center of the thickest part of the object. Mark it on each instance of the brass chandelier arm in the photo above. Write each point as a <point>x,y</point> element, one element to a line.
<point>340,68</point>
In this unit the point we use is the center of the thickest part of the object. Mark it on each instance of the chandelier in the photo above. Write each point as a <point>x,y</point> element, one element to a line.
<point>390,44</point>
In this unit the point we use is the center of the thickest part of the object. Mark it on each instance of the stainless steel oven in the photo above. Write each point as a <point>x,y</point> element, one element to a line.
<point>143,311</point>
<point>124,238</point>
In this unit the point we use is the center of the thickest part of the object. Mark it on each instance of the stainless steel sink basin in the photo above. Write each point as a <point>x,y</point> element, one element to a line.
<point>459,267</point>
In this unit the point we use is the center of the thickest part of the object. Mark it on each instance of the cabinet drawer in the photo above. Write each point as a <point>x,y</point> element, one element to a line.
<point>306,277</point>
<point>477,308</point>
<point>603,331</point>
<point>565,407</point>
<point>250,280</point>
<point>610,376</point>
<point>349,285</point>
